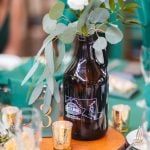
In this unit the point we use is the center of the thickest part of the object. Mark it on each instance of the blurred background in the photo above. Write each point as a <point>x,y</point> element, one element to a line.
<point>21,26</point>
<point>21,31</point>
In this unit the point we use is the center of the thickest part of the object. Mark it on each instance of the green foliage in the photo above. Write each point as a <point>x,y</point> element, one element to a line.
<point>121,3</point>
<point>131,22</point>
<point>56,92</point>
<point>83,18</point>
<point>68,35</point>
<point>112,4</point>
<point>113,35</point>
<point>61,54</point>
<point>57,11</point>
<point>48,24</point>
<point>130,8</point>
<point>99,15</point>
<point>64,23</point>
<point>50,83</point>
<point>36,93</point>
<point>49,57</point>
<point>47,100</point>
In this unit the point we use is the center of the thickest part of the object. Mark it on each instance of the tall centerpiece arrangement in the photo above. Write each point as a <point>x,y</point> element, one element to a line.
<point>86,79</point>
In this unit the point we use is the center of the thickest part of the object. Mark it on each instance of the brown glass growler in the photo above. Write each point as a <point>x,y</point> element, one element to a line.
<point>86,93</point>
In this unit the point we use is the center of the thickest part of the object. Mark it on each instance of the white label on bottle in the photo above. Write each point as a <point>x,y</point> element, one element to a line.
<point>78,108</point>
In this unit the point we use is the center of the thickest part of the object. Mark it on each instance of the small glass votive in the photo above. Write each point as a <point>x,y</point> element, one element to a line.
<point>61,131</point>
<point>120,117</point>
<point>9,114</point>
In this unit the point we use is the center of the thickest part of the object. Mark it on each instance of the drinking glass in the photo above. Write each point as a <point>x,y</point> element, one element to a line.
<point>62,135</point>
<point>28,129</point>
<point>9,114</point>
<point>120,117</point>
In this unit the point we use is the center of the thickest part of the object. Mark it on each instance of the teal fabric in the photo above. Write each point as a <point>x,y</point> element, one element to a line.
<point>147,113</point>
<point>4,33</point>
<point>146,58</point>
<point>19,95</point>
<point>14,77</point>
<point>147,94</point>
<point>136,112</point>
<point>116,50</point>
<point>69,17</point>
<point>144,17</point>
<point>143,11</point>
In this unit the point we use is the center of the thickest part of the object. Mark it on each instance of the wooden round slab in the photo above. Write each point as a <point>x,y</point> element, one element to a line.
<point>112,141</point>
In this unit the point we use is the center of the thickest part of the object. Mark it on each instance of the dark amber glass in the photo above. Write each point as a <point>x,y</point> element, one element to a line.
<point>86,93</point>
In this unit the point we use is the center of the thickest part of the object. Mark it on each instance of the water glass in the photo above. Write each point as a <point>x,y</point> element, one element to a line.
<point>9,114</point>
<point>28,129</point>
<point>120,117</point>
<point>62,135</point>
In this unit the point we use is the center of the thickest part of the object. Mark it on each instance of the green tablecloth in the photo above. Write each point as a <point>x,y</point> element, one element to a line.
<point>136,112</point>
<point>17,95</point>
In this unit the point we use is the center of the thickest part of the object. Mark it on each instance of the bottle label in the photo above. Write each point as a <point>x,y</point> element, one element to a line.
<point>78,108</point>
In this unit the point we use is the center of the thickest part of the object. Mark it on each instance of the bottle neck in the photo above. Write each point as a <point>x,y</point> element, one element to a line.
<point>84,49</point>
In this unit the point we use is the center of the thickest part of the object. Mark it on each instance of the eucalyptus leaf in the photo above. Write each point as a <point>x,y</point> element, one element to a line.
<point>47,100</point>
<point>60,28</point>
<point>50,83</point>
<point>100,44</point>
<point>61,54</point>
<point>84,16</point>
<point>74,24</point>
<point>68,35</point>
<point>36,93</point>
<point>99,15</point>
<point>44,75</point>
<point>49,38</point>
<point>129,11</point>
<point>90,28</point>
<point>30,73</point>
<point>48,24</point>
<point>49,57</point>
<point>56,92</point>
<point>121,3</point>
<point>130,6</point>
<point>57,10</point>
<point>97,3</point>
<point>101,27</point>
<point>113,35</point>
<point>132,21</point>
<point>112,4</point>
<point>40,51</point>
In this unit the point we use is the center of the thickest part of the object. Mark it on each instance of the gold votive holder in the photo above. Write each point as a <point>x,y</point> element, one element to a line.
<point>9,115</point>
<point>61,131</point>
<point>120,117</point>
